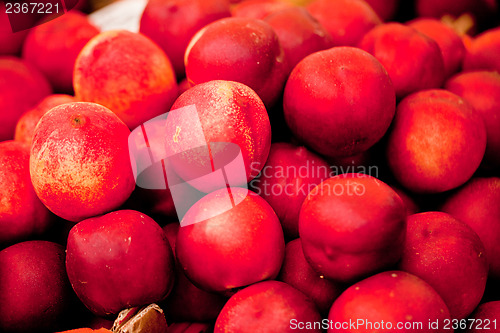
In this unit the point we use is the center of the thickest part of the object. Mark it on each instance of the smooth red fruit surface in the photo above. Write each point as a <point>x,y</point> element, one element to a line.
<point>190,328</point>
<point>344,246</point>
<point>290,173</point>
<point>172,24</point>
<point>347,21</point>
<point>447,254</point>
<point>297,272</point>
<point>10,42</point>
<point>485,316</point>
<point>229,112</point>
<point>339,101</point>
<point>242,50</point>
<point>238,247</point>
<point>305,36</point>
<point>22,86</point>
<point>392,298</point>
<point>80,164</point>
<point>128,73</point>
<point>477,205</point>
<point>437,141</point>
<point>26,124</point>
<point>255,309</point>
<point>52,47</point>
<point>22,214</point>
<point>118,261</point>
<point>483,52</point>
<point>385,9</point>
<point>34,287</point>
<point>482,90</point>
<point>259,9</point>
<point>449,42</point>
<point>413,60</point>
<point>437,9</point>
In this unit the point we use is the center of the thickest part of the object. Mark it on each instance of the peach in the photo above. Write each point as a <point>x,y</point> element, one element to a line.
<point>344,246</point>
<point>477,205</point>
<point>22,214</point>
<point>339,102</point>
<point>483,52</point>
<point>118,261</point>
<point>259,9</point>
<point>447,254</point>
<point>10,42</point>
<point>413,60</point>
<point>481,89</point>
<point>126,72</point>
<point>386,9</point>
<point>52,47</point>
<point>347,21</point>
<point>305,36</point>
<point>290,173</point>
<point>242,50</point>
<point>485,318</point>
<point>410,204</point>
<point>21,88</point>
<point>437,141</point>
<point>297,272</point>
<point>235,246</point>
<point>80,164</point>
<point>35,290</point>
<point>26,124</point>
<point>390,298</point>
<point>255,309</point>
<point>449,42</point>
<point>172,24</point>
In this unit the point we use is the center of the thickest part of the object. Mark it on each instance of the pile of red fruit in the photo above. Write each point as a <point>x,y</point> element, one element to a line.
<point>368,198</point>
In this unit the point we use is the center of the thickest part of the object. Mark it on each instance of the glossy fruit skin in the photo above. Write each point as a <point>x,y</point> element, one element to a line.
<point>21,88</point>
<point>437,141</point>
<point>346,247</point>
<point>482,90</point>
<point>254,309</point>
<point>447,254</point>
<point>118,261</point>
<point>413,60</point>
<point>485,313</point>
<point>393,297</point>
<point>126,72</point>
<point>52,47</point>
<point>80,164</point>
<point>339,101</point>
<point>172,24</point>
<point>476,203</point>
<point>483,52</point>
<point>238,247</point>
<point>242,50</point>
<point>35,290</point>
<point>22,214</point>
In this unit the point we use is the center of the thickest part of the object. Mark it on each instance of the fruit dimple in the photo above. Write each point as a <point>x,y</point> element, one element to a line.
<point>78,120</point>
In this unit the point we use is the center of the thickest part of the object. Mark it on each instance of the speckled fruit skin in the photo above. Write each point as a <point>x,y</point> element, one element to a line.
<point>305,36</point>
<point>290,173</point>
<point>347,21</point>
<point>118,261</point>
<point>259,9</point>
<point>477,205</point>
<point>26,124</point>
<point>242,50</point>
<point>256,309</point>
<point>172,24</point>
<point>486,313</point>
<point>297,272</point>
<point>437,141</point>
<point>236,248</point>
<point>79,164</point>
<point>22,86</point>
<point>339,101</point>
<point>450,43</point>
<point>228,112</point>
<point>483,52</point>
<point>447,254</point>
<point>385,9</point>
<point>346,247</point>
<point>413,60</point>
<point>393,297</point>
<point>34,287</point>
<point>127,73</point>
<point>482,90</point>
<point>22,214</point>
<point>52,47</point>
